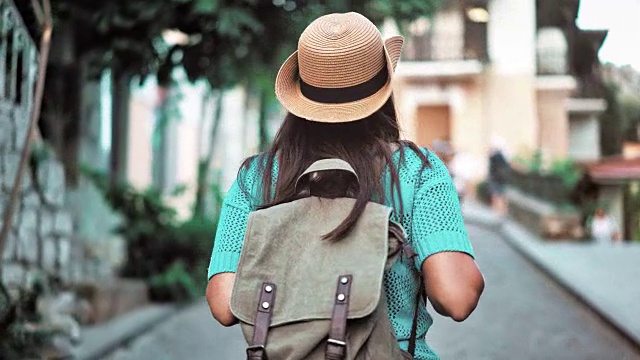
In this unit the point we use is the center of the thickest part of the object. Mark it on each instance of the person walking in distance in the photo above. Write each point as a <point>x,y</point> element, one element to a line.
<point>499,170</point>
<point>336,175</point>
<point>603,228</point>
<point>456,163</point>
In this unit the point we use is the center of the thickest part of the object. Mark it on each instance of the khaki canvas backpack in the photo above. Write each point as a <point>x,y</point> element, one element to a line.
<point>300,297</point>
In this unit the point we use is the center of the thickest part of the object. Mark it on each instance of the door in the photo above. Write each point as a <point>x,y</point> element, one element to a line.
<point>434,123</point>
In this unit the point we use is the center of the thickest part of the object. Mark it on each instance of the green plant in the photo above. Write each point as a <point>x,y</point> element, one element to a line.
<point>630,108</point>
<point>564,168</point>
<point>174,284</point>
<point>159,246</point>
<point>532,163</point>
<point>23,340</point>
<point>196,234</point>
<point>611,133</point>
<point>567,170</point>
<point>26,330</point>
<point>632,210</point>
<point>148,226</point>
<point>557,183</point>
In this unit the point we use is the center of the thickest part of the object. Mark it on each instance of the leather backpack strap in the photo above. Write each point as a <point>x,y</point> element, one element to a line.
<point>256,350</point>
<point>336,344</point>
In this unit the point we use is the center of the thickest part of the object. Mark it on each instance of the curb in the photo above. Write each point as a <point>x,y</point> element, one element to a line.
<point>515,235</point>
<point>101,340</point>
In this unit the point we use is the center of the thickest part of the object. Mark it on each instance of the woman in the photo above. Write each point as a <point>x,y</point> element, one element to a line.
<point>337,90</point>
<point>603,228</point>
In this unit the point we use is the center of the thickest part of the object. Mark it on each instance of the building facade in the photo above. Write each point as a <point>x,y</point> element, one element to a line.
<point>498,68</point>
<point>165,154</point>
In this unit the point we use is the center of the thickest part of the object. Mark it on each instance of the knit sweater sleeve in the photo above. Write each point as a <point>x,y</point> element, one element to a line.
<point>437,222</point>
<point>232,225</point>
<point>242,198</point>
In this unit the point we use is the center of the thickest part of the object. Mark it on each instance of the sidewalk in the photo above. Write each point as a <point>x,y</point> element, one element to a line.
<point>605,278</point>
<point>100,340</point>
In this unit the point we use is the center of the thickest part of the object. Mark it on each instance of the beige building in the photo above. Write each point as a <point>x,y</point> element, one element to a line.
<point>493,68</point>
<point>478,69</point>
<point>169,158</point>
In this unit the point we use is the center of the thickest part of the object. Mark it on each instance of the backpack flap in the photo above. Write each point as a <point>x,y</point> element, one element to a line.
<point>283,246</point>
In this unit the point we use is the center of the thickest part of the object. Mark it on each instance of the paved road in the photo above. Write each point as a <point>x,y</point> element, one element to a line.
<point>190,335</point>
<point>522,316</point>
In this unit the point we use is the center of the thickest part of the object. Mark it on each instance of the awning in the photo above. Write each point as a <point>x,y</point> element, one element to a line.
<point>616,168</point>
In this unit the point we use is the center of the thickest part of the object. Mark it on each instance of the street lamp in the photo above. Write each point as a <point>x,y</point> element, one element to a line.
<point>175,37</point>
<point>478,15</point>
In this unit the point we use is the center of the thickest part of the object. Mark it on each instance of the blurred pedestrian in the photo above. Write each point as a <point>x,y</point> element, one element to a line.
<point>463,169</point>
<point>499,171</point>
<point>444,150</point>
<point>454,163</point>
<point>604,228</point>
<point>337,91</point>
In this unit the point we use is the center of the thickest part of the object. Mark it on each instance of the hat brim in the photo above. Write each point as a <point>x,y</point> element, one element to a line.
<point>288,92</point>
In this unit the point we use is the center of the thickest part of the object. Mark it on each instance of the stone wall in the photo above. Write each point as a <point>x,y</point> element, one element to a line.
<point>93,218</point>
<point>63,232</point>
<point>42,230</point>
<point>544,219</point>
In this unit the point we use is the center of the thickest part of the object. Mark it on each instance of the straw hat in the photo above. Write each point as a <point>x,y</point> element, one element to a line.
<point>341,71</point>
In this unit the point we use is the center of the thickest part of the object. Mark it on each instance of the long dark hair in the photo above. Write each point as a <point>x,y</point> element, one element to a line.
<point>367,144</point>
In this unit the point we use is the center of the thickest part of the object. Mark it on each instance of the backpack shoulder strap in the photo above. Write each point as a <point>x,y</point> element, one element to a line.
<point>325,165</point>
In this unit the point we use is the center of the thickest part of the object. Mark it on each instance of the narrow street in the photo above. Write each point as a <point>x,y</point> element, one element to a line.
<point>522,315</point>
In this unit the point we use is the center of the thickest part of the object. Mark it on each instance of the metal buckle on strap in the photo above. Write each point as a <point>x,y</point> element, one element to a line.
<point>337,342</point>
<point>255,348</point>
<point>257,352</point>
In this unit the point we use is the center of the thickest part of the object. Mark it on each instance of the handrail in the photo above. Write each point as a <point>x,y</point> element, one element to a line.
<point>11,22</point>
<point>43,13</point>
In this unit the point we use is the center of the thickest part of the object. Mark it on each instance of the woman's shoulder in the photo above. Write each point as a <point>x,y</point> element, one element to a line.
<point>249,179</point>
<point>253,167</point>
<point>413,168</point>
<point>407,158</point>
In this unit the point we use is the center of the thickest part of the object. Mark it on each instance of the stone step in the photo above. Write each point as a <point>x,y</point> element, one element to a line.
<point>114,298</point>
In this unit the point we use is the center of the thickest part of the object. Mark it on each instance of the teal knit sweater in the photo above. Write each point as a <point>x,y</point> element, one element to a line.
<point>432,218</point>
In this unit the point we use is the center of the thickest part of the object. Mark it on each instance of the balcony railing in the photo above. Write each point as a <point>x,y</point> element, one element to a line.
<point>546,187</point>
<point>457,41</point>
<point>18,55</point>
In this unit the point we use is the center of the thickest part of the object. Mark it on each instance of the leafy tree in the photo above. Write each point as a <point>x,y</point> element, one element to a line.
<point>230,42</point>
<point>630,109</point>
<point>611,122</point>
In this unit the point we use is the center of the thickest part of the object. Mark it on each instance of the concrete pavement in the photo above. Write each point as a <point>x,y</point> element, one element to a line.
<point>190,335</point>
<point>102,339</point>
<point>603,277</point>
<point>523,315</point>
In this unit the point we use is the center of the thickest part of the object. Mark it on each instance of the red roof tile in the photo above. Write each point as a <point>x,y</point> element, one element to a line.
<point>616,168</point>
